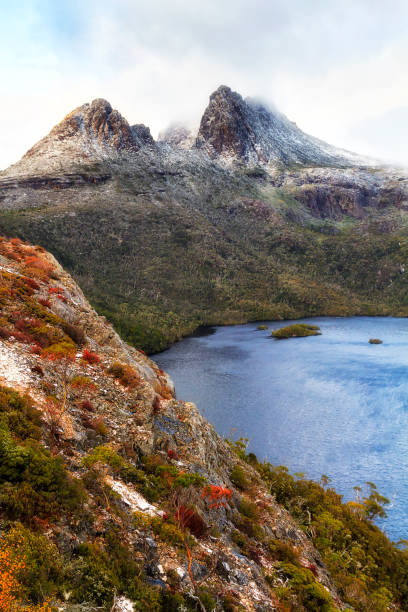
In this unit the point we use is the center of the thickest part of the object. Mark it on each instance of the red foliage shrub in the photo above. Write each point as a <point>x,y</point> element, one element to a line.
<point>44,302</point>
<point>37,265</point>
<point>17,314</point>
<point>90,357</point>
<point>165,391</point>
<point>140,351</point>
<point>55,290</point>
<point>62,298</point>
<point>36,349</point>
<point>25,324</point>
<point>15,241</point>
<point>21,324</point>
<point>86,421</point>
<point>216,497</point>
<point>87,405</point>
<point>129,377</point>
<point>173,454</point>
<point>22,337</point>
<point>188,517</point>
<point>32,283</point>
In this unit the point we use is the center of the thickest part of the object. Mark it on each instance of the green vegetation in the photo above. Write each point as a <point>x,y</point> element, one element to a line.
<point>370,572</point>
<point>238,477</point>
<point>311,595</point>
<point>298,330</point>
<point>33,484</point>
<point>213,259</point>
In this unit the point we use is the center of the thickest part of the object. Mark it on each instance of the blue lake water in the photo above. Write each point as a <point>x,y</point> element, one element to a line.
<point>331,404</point>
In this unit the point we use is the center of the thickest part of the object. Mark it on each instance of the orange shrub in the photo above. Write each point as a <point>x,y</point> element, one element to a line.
<point>216,497</point>
<point>10,567</point>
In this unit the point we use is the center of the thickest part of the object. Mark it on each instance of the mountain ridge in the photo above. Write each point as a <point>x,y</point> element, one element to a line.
<point>231,128</point>
<point>187,238</point>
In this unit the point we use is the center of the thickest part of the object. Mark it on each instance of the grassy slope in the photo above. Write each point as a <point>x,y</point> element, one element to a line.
<point>159,254</point>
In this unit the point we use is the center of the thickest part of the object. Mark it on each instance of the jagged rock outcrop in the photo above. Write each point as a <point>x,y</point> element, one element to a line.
<point>246,130</point>
<point>92,132</point>
<point>331,193</point>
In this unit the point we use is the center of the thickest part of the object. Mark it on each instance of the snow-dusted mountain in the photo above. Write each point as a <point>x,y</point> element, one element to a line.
<point>247,130</point>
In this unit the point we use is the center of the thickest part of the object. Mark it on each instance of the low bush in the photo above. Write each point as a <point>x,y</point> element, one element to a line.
<point>248,509</point>
<point>101,570</point>
<point>297,330</point>
<point>33,484</point>
<point>90,357</point>
<point>281,551</point>
<point>167,531</point>
<point>74,332</point>
<point>87,405</point>
<point>238,478</point>
<point>43,574</point>
<point>311,594</point>
<point>125,374</point>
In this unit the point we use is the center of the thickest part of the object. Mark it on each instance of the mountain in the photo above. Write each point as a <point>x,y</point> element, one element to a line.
<point>91,131</point>
<point>115,495</point>
<point>247,130</point>
<point>248,219</point>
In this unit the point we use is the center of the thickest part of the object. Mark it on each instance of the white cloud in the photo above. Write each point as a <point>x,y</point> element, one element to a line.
<point>330,66</point>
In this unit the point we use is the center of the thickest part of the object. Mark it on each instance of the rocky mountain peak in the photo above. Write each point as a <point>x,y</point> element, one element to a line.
<point>99,127</point>
<point>249,131</point>
<point>225,127</point>
<point>91,132</point>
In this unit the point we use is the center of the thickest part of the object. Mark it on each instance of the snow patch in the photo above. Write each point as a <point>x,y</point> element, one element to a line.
<point>132,498</point>
<point>123,604</point>
<point>14,369</point>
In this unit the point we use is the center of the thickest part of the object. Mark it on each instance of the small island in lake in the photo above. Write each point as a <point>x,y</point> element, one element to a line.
<point>375,341</point>
<point>297,330</point>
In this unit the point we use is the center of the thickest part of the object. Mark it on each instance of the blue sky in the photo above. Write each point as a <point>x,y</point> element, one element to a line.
<point>337,68</point>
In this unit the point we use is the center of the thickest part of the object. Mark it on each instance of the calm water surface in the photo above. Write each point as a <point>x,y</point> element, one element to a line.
<point>331,404</point>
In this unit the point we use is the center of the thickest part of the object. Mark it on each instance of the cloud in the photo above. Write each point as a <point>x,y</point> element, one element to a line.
<point>329,66</point>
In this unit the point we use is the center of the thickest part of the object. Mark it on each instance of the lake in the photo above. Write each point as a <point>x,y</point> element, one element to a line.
<point>331,404</point>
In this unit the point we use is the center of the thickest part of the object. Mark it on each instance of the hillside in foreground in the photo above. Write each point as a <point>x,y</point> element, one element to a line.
<point>114,495</point>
